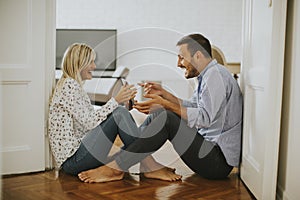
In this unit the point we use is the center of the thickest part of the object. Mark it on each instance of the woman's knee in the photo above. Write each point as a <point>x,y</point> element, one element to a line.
<point>120,111</point>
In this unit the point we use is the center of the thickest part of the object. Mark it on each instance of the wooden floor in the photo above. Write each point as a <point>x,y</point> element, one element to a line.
<point>45,185</point>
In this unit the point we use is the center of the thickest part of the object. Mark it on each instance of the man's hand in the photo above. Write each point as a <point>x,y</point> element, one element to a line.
<point>152,88</point>
<point>157,89</point>
<point>157,102</point>
<point>151,105</point>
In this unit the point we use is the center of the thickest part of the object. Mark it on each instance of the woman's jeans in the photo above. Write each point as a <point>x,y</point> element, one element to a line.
<point>96,145</point>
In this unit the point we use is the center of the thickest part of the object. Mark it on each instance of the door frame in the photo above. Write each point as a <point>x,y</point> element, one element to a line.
<point>49,72</point>
<point>276,61</point>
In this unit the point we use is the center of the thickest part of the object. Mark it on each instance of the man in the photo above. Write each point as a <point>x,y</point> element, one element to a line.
<point>205,130</point>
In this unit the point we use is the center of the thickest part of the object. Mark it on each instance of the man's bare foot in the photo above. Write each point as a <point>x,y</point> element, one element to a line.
<point>149,164</point>
<point>164,174</point>
<point>100,175</point>
<point>144,169</point>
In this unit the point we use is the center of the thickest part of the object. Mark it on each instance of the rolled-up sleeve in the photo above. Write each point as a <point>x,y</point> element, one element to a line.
<point>198,118</point>
<point>186,103</point>
<point>192,102</point>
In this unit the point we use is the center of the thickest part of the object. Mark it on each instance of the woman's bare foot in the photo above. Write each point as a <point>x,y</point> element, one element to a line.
<point>164,174</point>
<point>100,175</point>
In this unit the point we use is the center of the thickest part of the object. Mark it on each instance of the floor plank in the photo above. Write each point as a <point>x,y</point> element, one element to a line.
<point>46,185</point>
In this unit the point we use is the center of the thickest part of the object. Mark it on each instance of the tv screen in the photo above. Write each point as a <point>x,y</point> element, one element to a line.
<point>103,41</point>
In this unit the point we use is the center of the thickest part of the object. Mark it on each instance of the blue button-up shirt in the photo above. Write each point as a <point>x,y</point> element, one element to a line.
<point>215,109</point>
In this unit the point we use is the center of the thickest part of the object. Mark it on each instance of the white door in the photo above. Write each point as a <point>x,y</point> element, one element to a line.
<point>261,82</point>
<point>25,57</point>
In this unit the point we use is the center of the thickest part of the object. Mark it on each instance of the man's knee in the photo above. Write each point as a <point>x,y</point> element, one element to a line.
<point>163,115</point>
<point>172,116</point>
<point>173,123</point>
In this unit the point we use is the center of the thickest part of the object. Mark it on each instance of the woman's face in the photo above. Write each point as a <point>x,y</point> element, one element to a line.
<point>86,73</point>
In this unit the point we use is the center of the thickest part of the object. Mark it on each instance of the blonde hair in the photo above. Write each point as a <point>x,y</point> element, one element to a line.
<point>76,58</point>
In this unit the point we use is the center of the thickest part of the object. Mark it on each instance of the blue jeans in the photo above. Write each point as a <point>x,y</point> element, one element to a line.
<point>203,157</point>
<point>95,146</point>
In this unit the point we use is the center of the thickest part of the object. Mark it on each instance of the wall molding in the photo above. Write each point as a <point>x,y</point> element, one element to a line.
<point>15,149</point>
<point>23,82</point>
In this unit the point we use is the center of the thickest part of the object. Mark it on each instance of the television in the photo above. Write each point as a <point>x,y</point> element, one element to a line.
<point>104,42</point>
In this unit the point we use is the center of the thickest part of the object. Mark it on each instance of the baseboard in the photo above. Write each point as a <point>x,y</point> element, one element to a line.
<point>281,194</point>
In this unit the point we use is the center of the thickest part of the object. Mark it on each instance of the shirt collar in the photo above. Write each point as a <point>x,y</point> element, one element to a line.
<point>210,65</point>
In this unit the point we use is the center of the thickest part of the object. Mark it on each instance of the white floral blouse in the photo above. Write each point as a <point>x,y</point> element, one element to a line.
<point>71,116</point>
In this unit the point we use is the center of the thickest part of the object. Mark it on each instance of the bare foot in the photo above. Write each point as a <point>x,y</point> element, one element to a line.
<point>149,164</point>
<point>144,169</point>
<point>171,169</point>
<point>164,174</point>
<point>100,175</point>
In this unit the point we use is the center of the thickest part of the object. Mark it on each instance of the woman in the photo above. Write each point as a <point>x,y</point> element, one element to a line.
<point>80,136</point>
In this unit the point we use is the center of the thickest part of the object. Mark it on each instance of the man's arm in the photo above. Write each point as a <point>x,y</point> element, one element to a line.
<point>157,101</point>
<point>171,98</point>
<point>176,108</point>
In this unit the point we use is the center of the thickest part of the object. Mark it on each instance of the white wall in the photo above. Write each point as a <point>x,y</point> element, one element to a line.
<point>149,29</point>
<point>289,160</point>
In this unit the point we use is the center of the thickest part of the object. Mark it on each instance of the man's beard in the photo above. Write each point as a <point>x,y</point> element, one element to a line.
<point>193,72</point>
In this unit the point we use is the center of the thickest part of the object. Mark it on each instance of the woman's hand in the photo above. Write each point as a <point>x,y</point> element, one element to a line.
<point>126,92</point>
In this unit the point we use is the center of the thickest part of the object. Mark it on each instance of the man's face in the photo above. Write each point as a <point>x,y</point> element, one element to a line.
<point>187,62</point>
